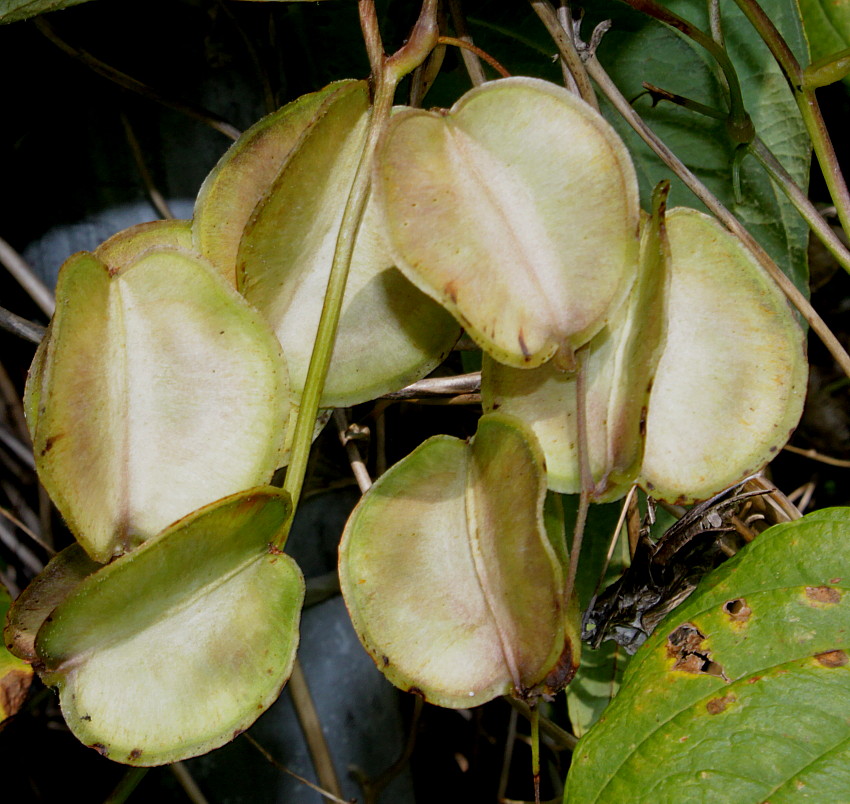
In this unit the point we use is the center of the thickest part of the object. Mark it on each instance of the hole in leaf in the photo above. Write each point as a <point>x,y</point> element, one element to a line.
<point>738,610</point>
<point>684,644</point>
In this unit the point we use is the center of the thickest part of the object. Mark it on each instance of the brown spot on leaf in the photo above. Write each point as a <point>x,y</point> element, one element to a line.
<point>100,748</point>
<point>417,691</point>
<point>738,610</point>
<point>642,425</point>
<point>135,753</point>
<point>237,733</point>
<point>835,580</point>
<point>274,550</point>
<point>823,594</point>
<point>385,660</point>
<point>86,718</point>
<point>717,705</point>
<point>48,445</point>
<point>684,645</point>
<point>833,658</point>
<point>451,291</point>
<point>753,680</point>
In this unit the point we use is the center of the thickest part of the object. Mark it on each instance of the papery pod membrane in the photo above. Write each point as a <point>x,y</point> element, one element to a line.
<point>742,694</point>
<point>160,390</point>
<point>449,575</point>
<point>730,385</point>
<point>248,169</point>
<point>518,211</point>
<point>129,245</point>
<point>174,649</point>
<point>15,674</point>
<point>619,367</point>
<point>62,575</point>
<point>390,333</point>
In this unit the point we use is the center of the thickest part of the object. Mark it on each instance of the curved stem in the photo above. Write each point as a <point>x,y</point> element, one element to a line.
<point>740,126</point>
<point>801,202</point>
<point>610,90</point>
<point>808,105</point>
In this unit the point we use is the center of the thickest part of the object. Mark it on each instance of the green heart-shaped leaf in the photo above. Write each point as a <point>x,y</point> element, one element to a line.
<point>449,574</point>
<point>158,391</point>
<point>518,211</point>
<point>743,693</point>
<point>173,649</point>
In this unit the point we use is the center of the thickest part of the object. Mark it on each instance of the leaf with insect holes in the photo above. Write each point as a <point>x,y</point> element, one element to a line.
<point>743,693</point>
<point>173,649</point>
<point>517,209</point>
<point>159,390</point>
<point>268,216</point>
<point>454,575</point>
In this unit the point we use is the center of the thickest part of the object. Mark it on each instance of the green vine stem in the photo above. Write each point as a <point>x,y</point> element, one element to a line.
<point>386,73</point>
<point>624,108</point>
<point>739,125</point>
<point>826,71</point>
<point>808,105</point>
<point>776,171</point>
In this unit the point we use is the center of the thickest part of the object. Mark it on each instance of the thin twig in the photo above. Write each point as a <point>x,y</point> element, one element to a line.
<point>358,468</point>
<point>610,90</point>
<point>188,783</point>
<point>440,386</point>
<point>29,532</point>
<point>311,726</point>
<point>129,782</point>
<point>156,196</point>
<point>470,57</point>
<point>372,787</point>
<point>134,85</point>
<point>817,456</point>
<point>22,553</point>
<point>482,54</point>
<point>269,758</point>
<point>28,330</point>
<point>567,49</point>
<point>18,267</point>
<point>562,739</point>
<point>510,739</point>
<point>14,404</point>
